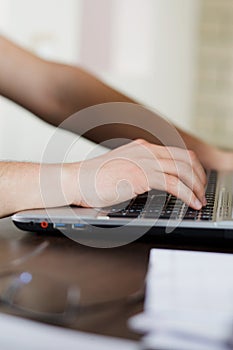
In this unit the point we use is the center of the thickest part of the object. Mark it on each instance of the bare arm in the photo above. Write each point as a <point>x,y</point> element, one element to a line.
<point>112,178</point>
<point>50,90</point>
<point>20,187</point>
<point>54,91</point>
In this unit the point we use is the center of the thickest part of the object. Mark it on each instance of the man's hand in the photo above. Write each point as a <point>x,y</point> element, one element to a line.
<point>133,169</point>
<point>117,176</point>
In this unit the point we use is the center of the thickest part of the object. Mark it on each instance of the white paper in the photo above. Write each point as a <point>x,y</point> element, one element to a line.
<point>197,280</point>
<point>189,300</point>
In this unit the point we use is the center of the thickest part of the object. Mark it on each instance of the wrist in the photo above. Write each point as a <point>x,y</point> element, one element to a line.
<point>217,159</point>
<point>70,183</point>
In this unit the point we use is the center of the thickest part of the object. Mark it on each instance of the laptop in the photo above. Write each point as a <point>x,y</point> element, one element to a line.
<point>154,212</point>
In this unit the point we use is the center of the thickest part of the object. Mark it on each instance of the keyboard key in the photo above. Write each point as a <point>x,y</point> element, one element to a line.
<point>156,204</point>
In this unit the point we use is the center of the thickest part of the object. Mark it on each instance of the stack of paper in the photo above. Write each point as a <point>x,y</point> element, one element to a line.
<point>189,301</point>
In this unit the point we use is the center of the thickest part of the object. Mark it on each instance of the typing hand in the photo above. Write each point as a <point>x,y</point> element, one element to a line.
<point>135,168</point>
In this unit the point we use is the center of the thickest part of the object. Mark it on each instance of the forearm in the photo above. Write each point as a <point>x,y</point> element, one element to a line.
<point>21,187</point>
<point>76,89</point>
<point>93,92</point>
<point>54,91</point>
<point>210,156</point>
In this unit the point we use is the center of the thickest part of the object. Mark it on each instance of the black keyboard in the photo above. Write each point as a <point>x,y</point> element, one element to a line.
<point>157,204</point>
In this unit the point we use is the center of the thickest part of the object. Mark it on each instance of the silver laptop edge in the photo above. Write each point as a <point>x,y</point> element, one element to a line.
<point>222,213</point>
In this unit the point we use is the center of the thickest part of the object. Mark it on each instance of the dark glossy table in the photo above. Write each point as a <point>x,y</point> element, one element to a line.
<point>101,274</point>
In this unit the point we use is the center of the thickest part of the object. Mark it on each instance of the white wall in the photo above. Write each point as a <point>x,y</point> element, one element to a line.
<point>47,26</point>
<point>152,54</point>
<point>214,104</point>
<point>146,48</point>
<point>50,29</point>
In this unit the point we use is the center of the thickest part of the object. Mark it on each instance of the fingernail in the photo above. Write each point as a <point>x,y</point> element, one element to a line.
<point>198,204</point>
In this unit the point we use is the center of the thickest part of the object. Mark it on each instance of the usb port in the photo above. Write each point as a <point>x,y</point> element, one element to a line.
<point>78,226</point>
<point>59,225</point>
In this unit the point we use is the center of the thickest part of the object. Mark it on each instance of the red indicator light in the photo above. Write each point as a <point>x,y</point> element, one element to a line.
<point>44,224</point>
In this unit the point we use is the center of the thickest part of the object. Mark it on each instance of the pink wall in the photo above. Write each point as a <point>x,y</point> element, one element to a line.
<point>97,25</point>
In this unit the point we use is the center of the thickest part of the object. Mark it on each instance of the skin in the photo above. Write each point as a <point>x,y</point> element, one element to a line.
<point>53,92</point>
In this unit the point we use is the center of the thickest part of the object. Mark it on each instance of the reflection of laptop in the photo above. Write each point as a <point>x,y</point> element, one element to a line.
<point>150,212</point>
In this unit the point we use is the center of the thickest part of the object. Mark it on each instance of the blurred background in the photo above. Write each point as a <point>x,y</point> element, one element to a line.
<point>175,56</point>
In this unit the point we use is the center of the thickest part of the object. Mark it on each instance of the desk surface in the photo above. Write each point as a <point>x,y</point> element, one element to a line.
<point>102,274</point>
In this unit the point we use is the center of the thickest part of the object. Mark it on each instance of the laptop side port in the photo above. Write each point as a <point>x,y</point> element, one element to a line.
<point>78,226</point>
<point>59,226</point>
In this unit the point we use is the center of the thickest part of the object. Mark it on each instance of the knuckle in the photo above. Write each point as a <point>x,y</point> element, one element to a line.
<point>170,149</point>
<point>192,155</point>
<point>200,188</point>
<point>172,183</point>
<point>187,171</point>
<point>141,141</point>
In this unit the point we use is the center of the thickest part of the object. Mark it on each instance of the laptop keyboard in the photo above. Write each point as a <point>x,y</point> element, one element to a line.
<point>157,204</point>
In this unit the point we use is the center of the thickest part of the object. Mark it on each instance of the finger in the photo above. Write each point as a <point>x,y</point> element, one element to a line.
<point>179,154</point>
<point>181,170</point>
<point>186,174</point>
<point>144,149</point>
<point>176,187</point>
